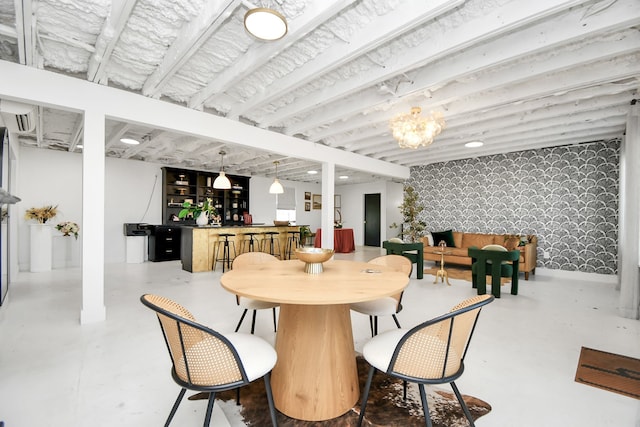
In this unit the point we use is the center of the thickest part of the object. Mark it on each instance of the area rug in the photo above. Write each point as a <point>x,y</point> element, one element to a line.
<point>461,274</point>
<point>385,407</point>
<point>608,371</point>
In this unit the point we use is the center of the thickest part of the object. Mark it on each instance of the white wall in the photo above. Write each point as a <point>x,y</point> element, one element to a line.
<point>48,177</point>
<point>133,193</point>
<point>353,207</point>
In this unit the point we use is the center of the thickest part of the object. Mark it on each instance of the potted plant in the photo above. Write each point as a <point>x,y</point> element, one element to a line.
<point>68,228</point>
<point>305,233</point>
<point>412,227</point>
<point>202,212</point>
<point>41,215</point>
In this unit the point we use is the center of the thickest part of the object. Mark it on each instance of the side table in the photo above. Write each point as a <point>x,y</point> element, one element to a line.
<point>442,272</point>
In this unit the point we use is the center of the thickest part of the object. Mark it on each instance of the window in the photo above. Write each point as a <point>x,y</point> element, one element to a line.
<point>286,205</point>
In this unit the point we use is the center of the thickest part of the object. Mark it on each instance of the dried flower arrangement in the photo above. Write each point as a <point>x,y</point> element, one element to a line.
<point>67,228</point>
<point>43,214</point>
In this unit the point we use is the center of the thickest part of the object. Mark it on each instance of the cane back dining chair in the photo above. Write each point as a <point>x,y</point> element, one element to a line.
<point>242,261</point>
<point>387,306</point>
<point>497,261</point>
<point>430,353</point>
<point>207,361</point>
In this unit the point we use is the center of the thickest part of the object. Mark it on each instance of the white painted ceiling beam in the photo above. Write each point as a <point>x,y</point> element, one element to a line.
<point>472,100</point>
<point>496,24</point>
<point>25,31</point>
<point>377,32</point>
<point>314,15</point>
<point>77,133</point>
<point>57,90</point>
<point>8,31</point>
<point>108,37</point>
<point>190,39</point>
<point>117,133</point>
<point>455,68</point>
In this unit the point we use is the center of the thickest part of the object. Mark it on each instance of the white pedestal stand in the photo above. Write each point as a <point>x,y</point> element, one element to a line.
<point>135,249</point>
<point>41,247</point>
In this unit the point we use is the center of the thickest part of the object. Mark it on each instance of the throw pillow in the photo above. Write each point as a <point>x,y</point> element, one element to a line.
<point>495,248</point>
<point>446,235</point>
<point>395,240</point>
<point>429,238</point>
<point>512,243</point>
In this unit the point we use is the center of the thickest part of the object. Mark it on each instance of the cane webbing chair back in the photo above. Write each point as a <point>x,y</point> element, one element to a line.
<point>435,350</point>
<point>398,263</point>
<point>252,258</point>
<point>201,357</point>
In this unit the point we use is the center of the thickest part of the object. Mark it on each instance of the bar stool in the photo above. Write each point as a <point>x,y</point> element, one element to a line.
<point>250,243</point>
<point>227,245</point>
<point>293,242</point>
<point>271,242</point>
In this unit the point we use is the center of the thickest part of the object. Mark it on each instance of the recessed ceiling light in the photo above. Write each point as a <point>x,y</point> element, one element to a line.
<point>312,172</point>
<point>474,144</point>
<point>129,141</point>
<point>343,177</point>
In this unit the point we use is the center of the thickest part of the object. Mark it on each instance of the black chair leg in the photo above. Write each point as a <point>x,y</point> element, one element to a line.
<point>425,406</point>
<point>395,319</point>
<point>275,327</point>
<point>207,417</point>
<point>244,313</point>
<point>238,396</point>
<point>404,390</point>
<point>371,326</point>
<point>175,407</point>
<point>365,395</point>
<point>465,409</point>
<point>272,407</point>
<point>375,325</point>
<point>253,321</point>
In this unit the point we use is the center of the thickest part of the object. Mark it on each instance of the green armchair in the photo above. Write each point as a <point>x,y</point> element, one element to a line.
<point>412,251</point>
<point>497,263</point>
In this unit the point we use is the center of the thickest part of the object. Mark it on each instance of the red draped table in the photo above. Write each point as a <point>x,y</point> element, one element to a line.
<point>343,241</point>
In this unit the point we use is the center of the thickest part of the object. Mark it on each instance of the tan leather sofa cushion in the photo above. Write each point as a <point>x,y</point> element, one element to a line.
<point>478,240</point>
<point>457,239</point>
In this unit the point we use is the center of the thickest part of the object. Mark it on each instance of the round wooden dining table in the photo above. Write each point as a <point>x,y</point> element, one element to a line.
<point>315,377</point>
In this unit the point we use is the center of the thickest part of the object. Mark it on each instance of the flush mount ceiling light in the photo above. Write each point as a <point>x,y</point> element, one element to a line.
<point>129,141</point>
<point>265,24</point>
<point>343,177</point>
<point>312,172</point>
<point>222,182</point>
<point>474,144</point>
<point>412,130</point>
<point>276,187</point>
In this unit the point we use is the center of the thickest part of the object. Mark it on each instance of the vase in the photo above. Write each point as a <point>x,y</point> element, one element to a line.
<point>203,219</point>
<point>41,248</point>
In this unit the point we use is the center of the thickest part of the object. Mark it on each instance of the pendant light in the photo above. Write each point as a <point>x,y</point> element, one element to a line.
<point>222,182</point>
<point>276,187</point>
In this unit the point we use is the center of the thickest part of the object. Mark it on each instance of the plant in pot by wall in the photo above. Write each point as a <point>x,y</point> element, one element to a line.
<point>41,215</point>
<point>411,227</point>
<point>305,233</point>
<point>202,212</point>
<point>68,228</point>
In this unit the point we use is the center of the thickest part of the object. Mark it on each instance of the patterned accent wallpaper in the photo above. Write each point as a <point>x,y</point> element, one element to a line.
<point>567,196</point>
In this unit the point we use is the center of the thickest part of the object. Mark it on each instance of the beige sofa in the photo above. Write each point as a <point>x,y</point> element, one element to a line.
<point>463,241</point>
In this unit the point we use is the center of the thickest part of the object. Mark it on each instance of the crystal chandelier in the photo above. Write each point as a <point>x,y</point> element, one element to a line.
<point>411,130</point>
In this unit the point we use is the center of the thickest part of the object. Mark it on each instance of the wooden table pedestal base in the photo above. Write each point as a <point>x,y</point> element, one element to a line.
<point>316,377</point>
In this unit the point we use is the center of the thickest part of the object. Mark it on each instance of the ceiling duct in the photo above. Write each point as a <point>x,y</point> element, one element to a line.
<point>17,117</point>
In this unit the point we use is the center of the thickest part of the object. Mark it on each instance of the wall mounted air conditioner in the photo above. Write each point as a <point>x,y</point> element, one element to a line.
<point>17,117</point>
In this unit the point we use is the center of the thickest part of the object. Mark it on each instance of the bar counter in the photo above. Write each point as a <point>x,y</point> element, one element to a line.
<point>197,243</point>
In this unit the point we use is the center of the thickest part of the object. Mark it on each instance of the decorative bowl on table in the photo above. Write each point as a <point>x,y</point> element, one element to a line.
<point>313,258</point>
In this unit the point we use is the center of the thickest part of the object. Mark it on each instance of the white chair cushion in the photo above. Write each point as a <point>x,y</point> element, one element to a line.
<point>254,304</point>
<point>380,307</point>
<point>396,240</point>
<point>379,350</point>
<point>258,356</point>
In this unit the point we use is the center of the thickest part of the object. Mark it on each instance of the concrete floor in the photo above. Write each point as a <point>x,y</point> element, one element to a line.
<point>55,372</point>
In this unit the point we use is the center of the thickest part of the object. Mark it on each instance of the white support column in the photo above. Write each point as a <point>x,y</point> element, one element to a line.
<point>93,170</point>
<point>328,190</point>
<point>629,219</point>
